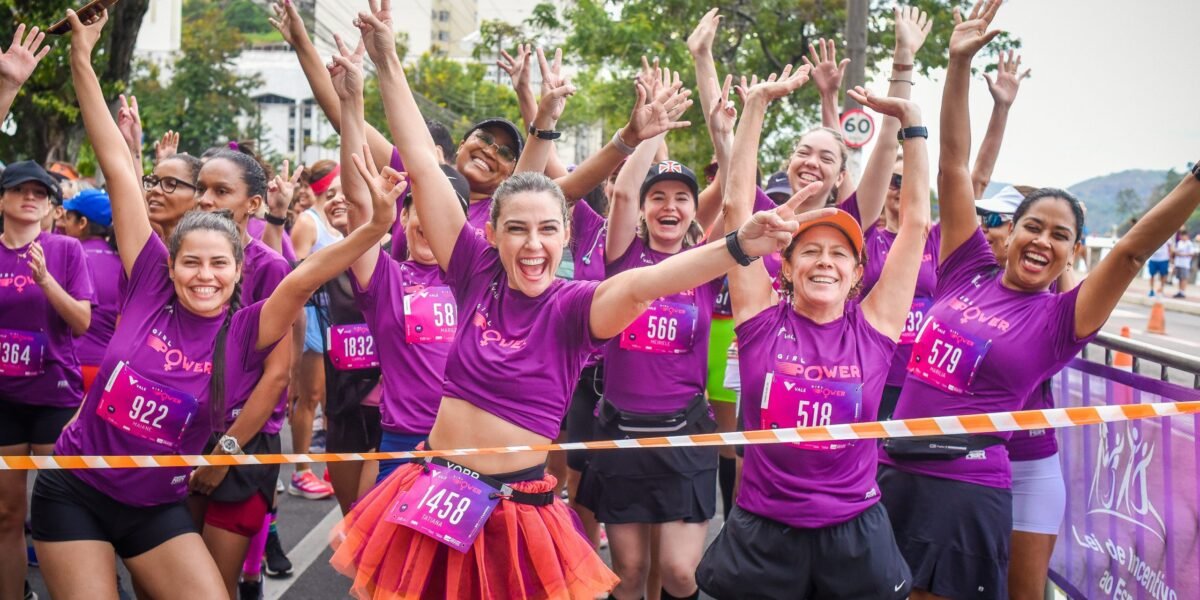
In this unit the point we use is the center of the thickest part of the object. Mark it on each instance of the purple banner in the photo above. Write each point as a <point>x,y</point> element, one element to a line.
<point>1132,526</point>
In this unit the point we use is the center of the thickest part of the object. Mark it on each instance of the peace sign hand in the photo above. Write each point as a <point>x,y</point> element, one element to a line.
<point>971,35</point>
<point>346,71</point>
<point>282,189</point>
<point>376,29</point>
<point>386,188</point>
<point>516,67</point>
<point>1007,81</point>
<point>555,88</point>
<point>23,56</point>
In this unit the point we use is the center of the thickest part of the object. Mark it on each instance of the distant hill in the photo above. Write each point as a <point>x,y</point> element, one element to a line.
<point>1100,194</point>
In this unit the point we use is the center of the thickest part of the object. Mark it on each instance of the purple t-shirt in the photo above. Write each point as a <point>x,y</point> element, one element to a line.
<point>256,226</point>
<point>262,270</point>
<point>660,382</point>
<point>33,337</point>
<point>1028,338</point>
<point>773,262</point>
<point>412,373</point>
<point>169,347</point>
<point>515,357</point>
<point>1035,444</point>
<point>588,232</point>
<point>805,487</point>
<point>106,272</point>
<point>877,245</point>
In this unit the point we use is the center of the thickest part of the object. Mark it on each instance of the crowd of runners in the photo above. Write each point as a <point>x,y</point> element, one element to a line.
<point>429,293</point>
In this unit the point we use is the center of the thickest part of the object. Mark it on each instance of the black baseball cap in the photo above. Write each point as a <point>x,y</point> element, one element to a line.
<point>462,189</point>
<point>669,170</point>
<point>500,123</point>
<point>25,171</point>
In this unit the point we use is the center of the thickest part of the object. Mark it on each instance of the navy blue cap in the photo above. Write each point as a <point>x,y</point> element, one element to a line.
<point>93,204</point>
<point>669,170</point>
<point>779,184</point>
<point>27,170</point>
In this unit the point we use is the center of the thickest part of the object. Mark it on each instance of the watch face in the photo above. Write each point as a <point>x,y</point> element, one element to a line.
<point>229,445</point>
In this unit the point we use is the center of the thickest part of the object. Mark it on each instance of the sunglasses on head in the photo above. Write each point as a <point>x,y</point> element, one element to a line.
<point>897,179</point>
<point>505,153</point>
<point>992,220</point>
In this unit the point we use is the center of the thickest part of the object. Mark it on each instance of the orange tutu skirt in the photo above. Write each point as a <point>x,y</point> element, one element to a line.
<point>524,551</point>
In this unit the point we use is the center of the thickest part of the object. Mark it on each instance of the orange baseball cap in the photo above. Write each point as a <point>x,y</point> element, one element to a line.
<point>842,221</point>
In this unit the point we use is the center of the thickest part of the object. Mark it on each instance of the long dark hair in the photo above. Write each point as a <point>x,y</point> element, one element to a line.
<point>220,221</point>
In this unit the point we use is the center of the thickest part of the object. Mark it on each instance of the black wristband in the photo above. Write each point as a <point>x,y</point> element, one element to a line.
<point>544,134</point>
<point>1196,171</point>
<point>274,220</point>
<point>735,249</point>
<point>912,132</point>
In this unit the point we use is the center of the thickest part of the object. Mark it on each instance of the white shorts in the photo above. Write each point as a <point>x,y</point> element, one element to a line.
<point>1039,495</point>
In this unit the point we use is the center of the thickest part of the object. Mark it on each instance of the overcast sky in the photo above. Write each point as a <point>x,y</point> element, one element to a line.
<point>1115,86</point>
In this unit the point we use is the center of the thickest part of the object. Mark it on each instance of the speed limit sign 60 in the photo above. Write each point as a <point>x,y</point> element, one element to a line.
<point>857,128</point>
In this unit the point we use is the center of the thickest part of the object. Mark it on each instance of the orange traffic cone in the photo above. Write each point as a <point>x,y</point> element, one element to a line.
<point>1158,320</point>
<point>1122,360</point>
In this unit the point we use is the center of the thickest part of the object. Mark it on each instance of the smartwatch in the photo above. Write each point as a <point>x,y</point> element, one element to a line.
<point>909,133</point>
<point>544,134</point>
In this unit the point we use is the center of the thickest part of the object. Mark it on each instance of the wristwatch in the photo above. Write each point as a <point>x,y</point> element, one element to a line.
<point>544,134</point>
<point>909,133</point>
<point>274,220</point>
<point>735,249</point>
<point>229,445</point>
<point>1196,170</point>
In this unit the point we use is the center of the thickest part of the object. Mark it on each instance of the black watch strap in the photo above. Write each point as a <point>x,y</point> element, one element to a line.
<point>274,220</point>
<point>1196,170</point>
<point>735,249</point>
<point>544,134</point>
<point>912,132</point>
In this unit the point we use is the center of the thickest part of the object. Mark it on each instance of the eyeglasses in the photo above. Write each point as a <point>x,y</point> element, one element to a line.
<point>505,153</point>
<point>992,220</point>
<point>897,179</point>
<point>168,184</point>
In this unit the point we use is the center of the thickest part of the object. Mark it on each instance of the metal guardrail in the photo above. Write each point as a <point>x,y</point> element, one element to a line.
<point>1143,352</point>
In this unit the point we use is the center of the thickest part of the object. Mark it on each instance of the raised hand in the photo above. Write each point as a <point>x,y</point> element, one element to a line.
<point>700,42</point>
<point>971,35</point>
<point>37,264</point>
<point>775,86</point>
<point>23,56</point>
<point>912,27</point>
<point>723,115</point>
<point>376,28</point>
<point>129,121</point>
<point>827,72</point>
<point>346,71</point>
<point>772,230</point>
<point>516,67</point>
<point>282,189</point>
<point>1007,81</point>
<point>657,108</point>
<point>906,111</point>
<point>85,35</point>
<point>167,146</point>
<point>555,88</point>
<point>288,22</point>
<point>386,188</point>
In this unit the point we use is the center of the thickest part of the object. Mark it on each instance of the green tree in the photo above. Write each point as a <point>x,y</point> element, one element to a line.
<point>46,114</point>
<point>606,39</point>
<point>205,92</point>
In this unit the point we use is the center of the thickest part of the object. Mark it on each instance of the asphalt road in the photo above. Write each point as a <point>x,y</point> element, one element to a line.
<point>305,524</point>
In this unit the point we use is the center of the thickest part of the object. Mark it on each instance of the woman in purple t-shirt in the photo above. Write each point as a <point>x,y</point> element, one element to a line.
<point>991,337</point>
<point>523,338</point>
<point>88,218</point>
<point>170,191</point>
<point>807,521</point>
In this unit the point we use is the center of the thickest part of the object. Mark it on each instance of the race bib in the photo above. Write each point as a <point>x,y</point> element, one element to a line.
<point>665,328</point>
<point>21,352</point>
<point>145,409</point>
<point>447,505</point>
<point>790,402</point>
<point>430,315</point>
<point>946,358</point>
<point>916,317</point>
<point>352,347</point>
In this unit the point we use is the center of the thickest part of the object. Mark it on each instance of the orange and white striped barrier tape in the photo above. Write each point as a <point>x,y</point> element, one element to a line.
<point>981,423</point>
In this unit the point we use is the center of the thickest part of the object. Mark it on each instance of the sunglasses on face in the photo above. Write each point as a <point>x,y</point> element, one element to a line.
<point>168,184</point>
<point>505,153</point>
<point>897,179</point>
<point>992,220</point>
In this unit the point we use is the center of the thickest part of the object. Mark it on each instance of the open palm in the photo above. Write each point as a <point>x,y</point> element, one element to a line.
<point>22,57</point>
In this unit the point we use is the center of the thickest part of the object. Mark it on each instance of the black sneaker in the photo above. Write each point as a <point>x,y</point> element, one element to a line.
<point>276,563</point>
<point>29,593</point>
<point>250,590</point>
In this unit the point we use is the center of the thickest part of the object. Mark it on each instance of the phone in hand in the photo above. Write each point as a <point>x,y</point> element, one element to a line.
<point>91,9</point>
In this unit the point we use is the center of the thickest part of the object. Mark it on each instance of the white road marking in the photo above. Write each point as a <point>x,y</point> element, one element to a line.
<point>303,555</point>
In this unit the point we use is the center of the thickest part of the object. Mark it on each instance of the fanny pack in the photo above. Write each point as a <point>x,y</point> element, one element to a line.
<point>503,489</point>
<point>639,422</point>
<point>938,447</point>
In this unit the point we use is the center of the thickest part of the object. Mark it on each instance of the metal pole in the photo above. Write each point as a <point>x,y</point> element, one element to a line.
<point>856,72</point>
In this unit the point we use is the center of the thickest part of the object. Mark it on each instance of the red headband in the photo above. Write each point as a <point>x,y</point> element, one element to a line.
<point>320,186</point>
